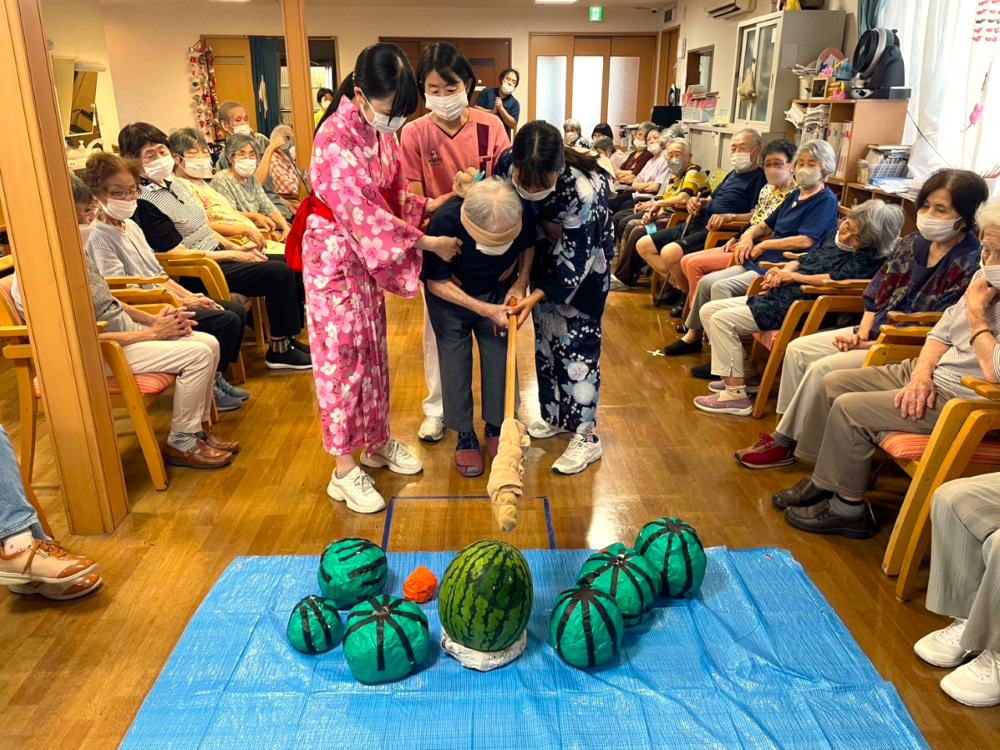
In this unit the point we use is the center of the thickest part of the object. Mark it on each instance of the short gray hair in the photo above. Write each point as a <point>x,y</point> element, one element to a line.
<point>81,193</point>
<point>988,214</point>
<point>184,138</point>
<point>572,124</point>
<point>226,110</point>
<point>680,142</point>
<point>237,141</point>
<point>493,205</point>
<point>879,224</point>
<point>649,125</point>
<point>603,144</point>
<point>754,134</point>
<point>822,152</point>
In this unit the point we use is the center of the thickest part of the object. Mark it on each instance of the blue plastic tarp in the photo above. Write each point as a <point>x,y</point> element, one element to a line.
<point>757,660</point>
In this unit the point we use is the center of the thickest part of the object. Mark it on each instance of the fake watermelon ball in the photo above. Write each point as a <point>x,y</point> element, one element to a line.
<point>672,549</point>
<point>586,627</point>
<point>314,627</point>
<point>623,574</point>
<point>386,638</point>
<point>351,570</point>
<point>486,596</point>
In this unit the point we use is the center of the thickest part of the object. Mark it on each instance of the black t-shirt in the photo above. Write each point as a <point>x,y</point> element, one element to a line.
<point>478,273</point>
<point>160,232</point>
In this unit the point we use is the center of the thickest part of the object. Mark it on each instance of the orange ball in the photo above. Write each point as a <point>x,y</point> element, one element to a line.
<point>419,586</point>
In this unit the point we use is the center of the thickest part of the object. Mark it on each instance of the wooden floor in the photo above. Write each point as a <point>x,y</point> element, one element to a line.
<point>74,675</point>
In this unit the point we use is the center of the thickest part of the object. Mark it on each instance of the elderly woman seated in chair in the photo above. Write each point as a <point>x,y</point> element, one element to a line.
<point>468,295</point>
<point>165,342</point>
<point>855,409</point>
<point>119,248</point>
<point>854,251</point>
<point>238,185</point>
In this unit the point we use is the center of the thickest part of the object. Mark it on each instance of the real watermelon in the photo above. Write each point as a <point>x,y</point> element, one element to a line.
<point>486,596</point>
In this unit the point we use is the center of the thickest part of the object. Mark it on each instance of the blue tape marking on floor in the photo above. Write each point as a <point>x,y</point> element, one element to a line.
<point>392,504</point>
<point>757,660</point>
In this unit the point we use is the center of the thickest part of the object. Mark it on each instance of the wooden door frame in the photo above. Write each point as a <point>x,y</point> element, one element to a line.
<point>662,63</point>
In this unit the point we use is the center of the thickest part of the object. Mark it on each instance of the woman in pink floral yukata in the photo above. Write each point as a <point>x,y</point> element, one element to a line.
<point>362,238</point>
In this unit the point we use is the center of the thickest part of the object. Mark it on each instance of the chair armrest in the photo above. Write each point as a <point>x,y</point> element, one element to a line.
<point>772,265</point>
<point>676,218</point>
<point>102,326</point>
<point>12,331</point>
<point>119,282</point>
<point>792,256</point>
<point>916,333</point>
<point>920,317</point>
<point>202,268</point>
<point>755,287</point>
<point>989,391</point>
<point>144,296</point>
<point>853,287</point>
<point>184,254</point>
<point>716,237</point>
<point>734,226</point>
<point>151,308</point>
<point>17,351</point>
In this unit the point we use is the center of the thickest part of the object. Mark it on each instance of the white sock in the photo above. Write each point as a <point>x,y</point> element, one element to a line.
<point>19,541</point>
<point>733,393</point>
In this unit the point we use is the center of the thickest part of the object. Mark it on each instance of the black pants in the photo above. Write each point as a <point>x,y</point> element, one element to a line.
<point>621,202</point>
<point>621,220</point>
<point>226,325</point>
<point>272,280</point>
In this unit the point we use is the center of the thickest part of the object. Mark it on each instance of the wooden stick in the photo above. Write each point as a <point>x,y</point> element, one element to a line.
<point>510,394</point>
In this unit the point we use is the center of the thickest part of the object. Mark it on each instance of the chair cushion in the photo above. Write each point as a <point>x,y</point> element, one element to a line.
<point>150,383</point>
<point>766,338</point>
<point>908,447</point>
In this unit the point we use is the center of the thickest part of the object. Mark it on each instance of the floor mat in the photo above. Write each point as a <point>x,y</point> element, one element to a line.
<point>731,668</point>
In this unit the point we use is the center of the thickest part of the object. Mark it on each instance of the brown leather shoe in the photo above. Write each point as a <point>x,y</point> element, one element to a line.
<point>802,495</point>
<point>819,519</point>
<point>88,584</point>
<point>230,446</point>
<point>44,561</point>
<point>202,456</point>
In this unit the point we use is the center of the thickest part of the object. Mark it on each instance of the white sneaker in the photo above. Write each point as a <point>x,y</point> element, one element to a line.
<point>396,457</point>
<point>578,456</point>
<point>541,430</point>
<point>977,683</point>
<point>431,430</point>
<point>941,649</point>
<point>357,489</point>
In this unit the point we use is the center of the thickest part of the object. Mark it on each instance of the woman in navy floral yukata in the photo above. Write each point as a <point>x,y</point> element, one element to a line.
<point>567,192</point>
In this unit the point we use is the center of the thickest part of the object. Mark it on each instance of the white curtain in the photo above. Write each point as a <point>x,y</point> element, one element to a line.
<point>948,47</point>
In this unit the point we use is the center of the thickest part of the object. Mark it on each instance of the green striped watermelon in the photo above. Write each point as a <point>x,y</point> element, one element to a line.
<point>351,570</point>
<point>672,548</point>
<point>314,627</point>
<point>486,596</point>
<point>586,626</point>
<point>386,638</point>
<point>626,576</point>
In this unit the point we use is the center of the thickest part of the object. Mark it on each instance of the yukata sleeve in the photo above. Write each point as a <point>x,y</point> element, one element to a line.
<point>572,254</point>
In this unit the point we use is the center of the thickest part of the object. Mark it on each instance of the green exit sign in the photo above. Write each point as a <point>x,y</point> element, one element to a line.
<point>596,13</point>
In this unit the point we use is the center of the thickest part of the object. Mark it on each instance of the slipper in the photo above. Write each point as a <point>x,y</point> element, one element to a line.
<point>469,462</point>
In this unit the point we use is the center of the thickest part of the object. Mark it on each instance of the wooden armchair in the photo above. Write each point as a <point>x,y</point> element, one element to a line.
<point>804,318</point>
<point>678,217</point>
<point>129,391</point>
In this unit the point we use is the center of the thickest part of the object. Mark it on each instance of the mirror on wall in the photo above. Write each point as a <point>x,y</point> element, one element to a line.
<point>76,92</point>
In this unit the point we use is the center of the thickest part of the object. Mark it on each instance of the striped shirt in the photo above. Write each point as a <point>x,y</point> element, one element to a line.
<point>960,359</point>
<point>118,252</point>
<point>185,211</point>
<point>247,198</point>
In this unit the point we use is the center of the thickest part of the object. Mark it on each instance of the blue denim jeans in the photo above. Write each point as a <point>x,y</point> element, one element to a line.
<point>16,513</point>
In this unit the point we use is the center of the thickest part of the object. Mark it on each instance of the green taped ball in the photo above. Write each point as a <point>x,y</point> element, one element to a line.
<point>672,549</point>
<point>626,577</point>
<point>486,596</point>
<point>586,627</point>
<point>385,639</point>
<point>314,627</point>
<point>351,570</point>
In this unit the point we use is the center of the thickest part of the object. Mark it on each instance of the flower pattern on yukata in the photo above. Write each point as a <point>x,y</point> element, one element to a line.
<point>368,249</point>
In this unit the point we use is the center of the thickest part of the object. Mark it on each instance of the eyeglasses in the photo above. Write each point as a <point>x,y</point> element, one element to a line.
<point>124,195</point>
<point>775,164</point>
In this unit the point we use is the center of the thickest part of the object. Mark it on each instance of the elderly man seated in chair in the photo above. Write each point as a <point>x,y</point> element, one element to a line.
<point>855,409</point>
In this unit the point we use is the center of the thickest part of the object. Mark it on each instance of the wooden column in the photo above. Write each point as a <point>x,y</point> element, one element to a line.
<point>41,223</point>
<point>297,53</point>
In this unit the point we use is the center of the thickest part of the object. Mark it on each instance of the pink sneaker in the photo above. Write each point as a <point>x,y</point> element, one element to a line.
<point>766,453</point>
<point>752,385</point>
<point>740,407</point>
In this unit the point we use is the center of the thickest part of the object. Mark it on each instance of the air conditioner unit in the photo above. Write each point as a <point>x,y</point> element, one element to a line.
<point>729,8</point>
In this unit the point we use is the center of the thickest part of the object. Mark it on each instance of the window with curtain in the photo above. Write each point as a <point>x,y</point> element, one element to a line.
<point>949,47</point>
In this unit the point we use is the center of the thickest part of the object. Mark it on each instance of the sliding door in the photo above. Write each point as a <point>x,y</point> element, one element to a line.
<point>592,79</point>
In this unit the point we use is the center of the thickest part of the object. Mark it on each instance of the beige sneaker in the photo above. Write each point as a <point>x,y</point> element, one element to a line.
<point>45,562</point>
<point>357,489</point>
<point>61,592</point>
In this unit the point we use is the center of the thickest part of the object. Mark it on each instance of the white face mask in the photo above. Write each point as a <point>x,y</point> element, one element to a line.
<point>640,146</point>
<point>992,275</point>
<point>495,250</point>
<point>535,197</point>
<point>243,130</point>
<point>448,108</point>
<point>85,232</point>
<point>741,162</point>
<point>936,230</point>
<point>119,210</point>
<point>200,167</point>
<point>159,169</point>
<point>245,167</point>
<point>654,148</point>
<point>846,248</point>
<point>506,89</point>
<point>808,177</point>
<point>383,123</point>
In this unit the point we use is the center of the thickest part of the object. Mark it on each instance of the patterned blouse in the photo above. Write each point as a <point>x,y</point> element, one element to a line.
<point>216,205</point>
<point>768,200</point>
<point>248,197</point>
